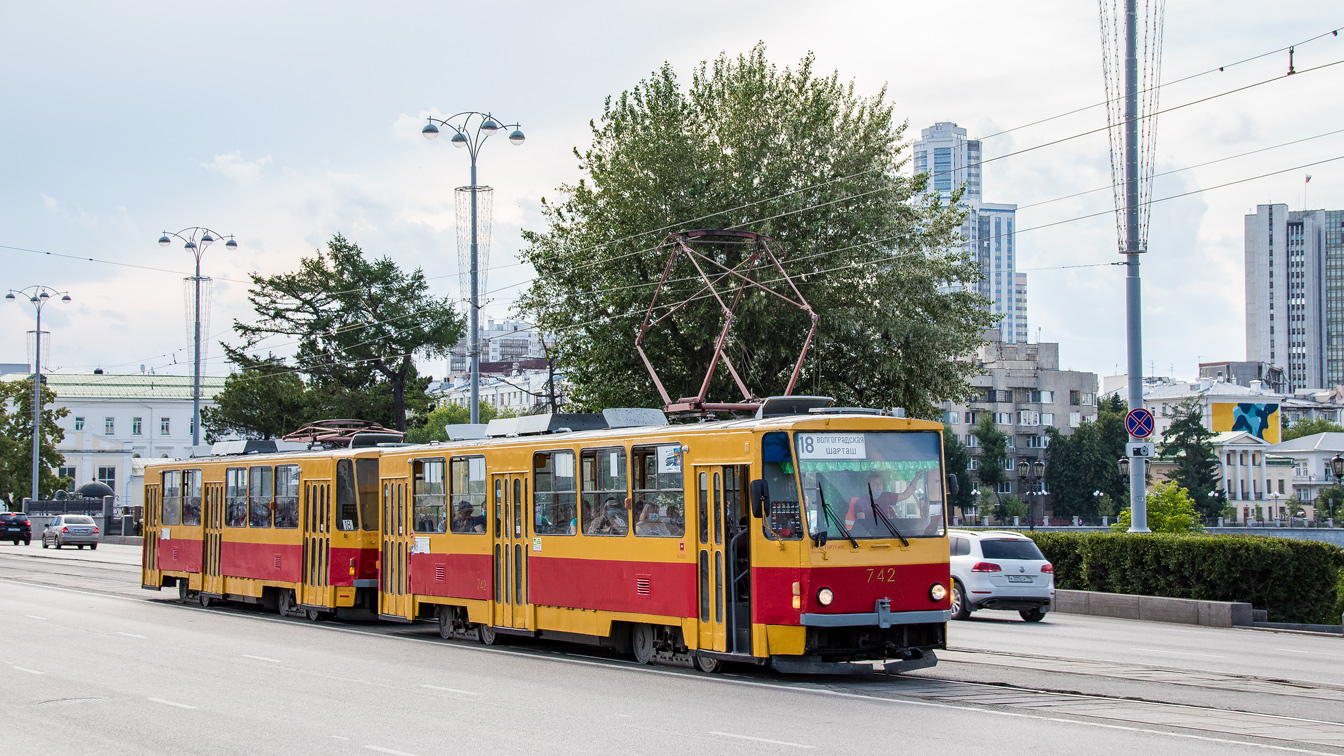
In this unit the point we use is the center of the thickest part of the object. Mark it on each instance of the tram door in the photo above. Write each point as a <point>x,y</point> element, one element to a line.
<point>395,601</point>
<point>316,543</point>
<point>711,558</point>
<point>212,579</point>
<point>150,574</point>
<point>509,508</point>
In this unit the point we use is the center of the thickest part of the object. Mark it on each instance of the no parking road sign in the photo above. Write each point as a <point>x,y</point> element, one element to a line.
<point>1139,423</point>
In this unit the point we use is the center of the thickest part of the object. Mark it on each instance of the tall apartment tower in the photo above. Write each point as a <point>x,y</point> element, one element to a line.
<point>953,161</point>
<point>1295,293</point>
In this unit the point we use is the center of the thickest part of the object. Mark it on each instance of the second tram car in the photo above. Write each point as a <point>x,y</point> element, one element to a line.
<point>811,542</point>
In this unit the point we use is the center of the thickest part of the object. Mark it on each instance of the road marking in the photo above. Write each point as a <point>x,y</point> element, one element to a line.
<point>1179,653</point>
<point>1311,653</point>
<point>130,635</point>
<point>450,690</point>
<point>34,616</point>
<point>25,669</point>
<point>761,740</point>
<point>340,737</point>
<point>170,703</point>
<point>261,658</point>
<point>380,749</point>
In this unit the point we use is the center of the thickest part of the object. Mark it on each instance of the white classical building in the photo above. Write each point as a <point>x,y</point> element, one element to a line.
<point>1311,457</point>
<point>116,419</point>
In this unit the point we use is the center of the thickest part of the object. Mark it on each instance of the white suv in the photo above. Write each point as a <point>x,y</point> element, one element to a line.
<point>996,569</point>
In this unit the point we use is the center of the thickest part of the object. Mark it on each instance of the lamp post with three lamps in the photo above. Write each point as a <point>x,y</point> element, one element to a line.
<point>38,295</point>
<point>195,240</point>
<point>471,129</point>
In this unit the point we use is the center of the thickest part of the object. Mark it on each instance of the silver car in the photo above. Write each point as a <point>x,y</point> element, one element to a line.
<point>74,530</point>
<point>997,569</point>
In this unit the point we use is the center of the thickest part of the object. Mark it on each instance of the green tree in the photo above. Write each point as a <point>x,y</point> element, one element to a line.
<point>1084,463</point>
<point>431,426</point>
<point>1310,428</point>
<point>958,460</point>
<point>1011,507</point>
<point>993,445</point>
<point>16,443</point>
<point>1190,445</point>
<point>1329,503</point>
<point>1170,510</point>
<point>265,400</point>
<point>790,154</point>
<point>360,324</point>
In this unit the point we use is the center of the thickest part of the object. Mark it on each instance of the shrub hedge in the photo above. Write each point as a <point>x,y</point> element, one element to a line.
<point>1295,580</point>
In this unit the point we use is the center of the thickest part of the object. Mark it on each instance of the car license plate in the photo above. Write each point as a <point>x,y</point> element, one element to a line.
<point>1019,578</point>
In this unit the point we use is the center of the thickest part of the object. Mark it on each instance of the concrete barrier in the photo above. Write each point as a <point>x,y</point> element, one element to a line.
<point>1153,608</point>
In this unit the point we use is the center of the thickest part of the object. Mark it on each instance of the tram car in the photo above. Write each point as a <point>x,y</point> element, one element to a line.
<point>811,541</point>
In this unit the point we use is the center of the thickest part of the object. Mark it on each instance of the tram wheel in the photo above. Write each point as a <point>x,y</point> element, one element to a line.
<point>205,600</point>
<point>183,591</point>
<point>286,603</point>
<point>486,635</point>
<point>641,642</point>
<point>313,615</point>
<point>708,665</point>
<point>445,622</point>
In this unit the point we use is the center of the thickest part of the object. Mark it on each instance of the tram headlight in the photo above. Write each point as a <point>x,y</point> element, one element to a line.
<point>825,596</point>
<point>937,592</point>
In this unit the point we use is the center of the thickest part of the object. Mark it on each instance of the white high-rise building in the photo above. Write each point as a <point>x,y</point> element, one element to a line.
<point>953,161</point>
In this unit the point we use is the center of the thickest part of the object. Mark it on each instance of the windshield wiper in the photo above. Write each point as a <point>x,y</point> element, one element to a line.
<point>833,516</point>
<point>883,517</point>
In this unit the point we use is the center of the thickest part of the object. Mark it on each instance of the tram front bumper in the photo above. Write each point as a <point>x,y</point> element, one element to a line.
<point>881,616</point>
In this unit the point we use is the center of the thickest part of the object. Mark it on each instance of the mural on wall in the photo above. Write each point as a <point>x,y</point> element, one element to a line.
<point>1258,419</point>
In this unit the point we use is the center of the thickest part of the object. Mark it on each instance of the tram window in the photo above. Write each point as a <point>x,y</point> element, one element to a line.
<point>703,501</point>
<point>430,494</point>
<point>466,479</point>
<point>287,496</point>
<point>191,497</point>
<point>347,497</point>
<point>260,495</point>
<point>660,501</point>
<point>604,492</point>
<point>235,497</point>
<point>366,477</point>
<point>172,497</point>
<point>777,470</point>
<point>554,509</point>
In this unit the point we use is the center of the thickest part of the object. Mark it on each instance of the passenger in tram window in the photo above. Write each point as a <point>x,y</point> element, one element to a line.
<point>648,523</point>
<point>612,521</point>
<point>676,521</point>
<point>465,522</point>
<point>573,515</point>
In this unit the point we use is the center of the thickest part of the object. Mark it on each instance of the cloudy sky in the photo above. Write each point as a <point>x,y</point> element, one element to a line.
<point>285,123</point>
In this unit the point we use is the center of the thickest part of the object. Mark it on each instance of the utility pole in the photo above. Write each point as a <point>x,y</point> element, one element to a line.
<point>1138,495</point>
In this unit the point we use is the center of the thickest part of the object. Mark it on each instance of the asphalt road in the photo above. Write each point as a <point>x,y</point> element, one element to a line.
<point>92,664</point>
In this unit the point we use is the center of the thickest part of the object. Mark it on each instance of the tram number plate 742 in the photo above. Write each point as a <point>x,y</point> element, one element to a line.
<point>881,574</point>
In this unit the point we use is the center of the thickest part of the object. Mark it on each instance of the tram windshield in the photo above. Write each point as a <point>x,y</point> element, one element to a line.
<point>872,485</point>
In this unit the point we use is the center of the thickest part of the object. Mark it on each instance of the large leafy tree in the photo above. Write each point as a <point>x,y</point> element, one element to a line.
<point>787,153</point>
<point>1170,509</point>
<point>993,445</point>
<point>1190,445</point>
<point>264,400</point>
<point>360,324</point>
<point>1083,464</point>
<point>16,442</point>
<point>1310,428</point>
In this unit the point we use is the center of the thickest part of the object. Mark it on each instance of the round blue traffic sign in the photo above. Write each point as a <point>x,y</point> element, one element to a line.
<point>1139,423</point>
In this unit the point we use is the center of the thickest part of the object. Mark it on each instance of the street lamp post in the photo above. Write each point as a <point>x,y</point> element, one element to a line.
<point>470,129</point>
<point>195,240</point>
<point>38,295</point>
<point>1031,472</point>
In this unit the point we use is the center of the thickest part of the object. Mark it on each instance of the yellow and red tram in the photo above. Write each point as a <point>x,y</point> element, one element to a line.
<point>813,542</point>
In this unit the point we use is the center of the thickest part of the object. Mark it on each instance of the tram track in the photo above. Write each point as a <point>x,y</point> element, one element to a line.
<point>967,678</point>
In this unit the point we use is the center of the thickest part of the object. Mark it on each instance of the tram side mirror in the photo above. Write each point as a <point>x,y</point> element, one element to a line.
<point>821,537</point>
<point>953,485</point>
<point>760,497</point>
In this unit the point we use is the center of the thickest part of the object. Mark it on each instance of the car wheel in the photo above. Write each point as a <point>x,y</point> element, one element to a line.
<point>961,608</point>
<point>93,546</point>
<point>44,543</point>
<point>57,543</point>
<point>79,546</point>
<point>1032,615</point>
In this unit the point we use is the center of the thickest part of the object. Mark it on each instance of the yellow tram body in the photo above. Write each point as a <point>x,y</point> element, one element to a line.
<point>679,542</point>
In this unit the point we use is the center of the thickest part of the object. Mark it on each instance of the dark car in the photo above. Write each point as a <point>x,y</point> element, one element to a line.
<point>15,526</point>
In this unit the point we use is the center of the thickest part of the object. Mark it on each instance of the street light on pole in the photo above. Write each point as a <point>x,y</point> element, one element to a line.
<point>1031,472</point>
<point>470,129</point>
<point>195,240</point>
<point>38,295</point>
